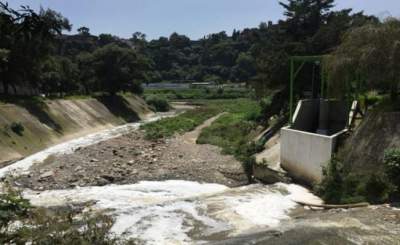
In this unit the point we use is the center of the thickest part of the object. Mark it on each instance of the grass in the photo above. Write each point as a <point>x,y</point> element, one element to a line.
<point>229,132</point>
<point>191,119</point>
<point>200,93</point>
<point>233,132</point>
<point>183,123</point>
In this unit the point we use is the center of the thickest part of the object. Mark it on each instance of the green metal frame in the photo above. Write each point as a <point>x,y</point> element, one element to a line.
<point>295,70</point>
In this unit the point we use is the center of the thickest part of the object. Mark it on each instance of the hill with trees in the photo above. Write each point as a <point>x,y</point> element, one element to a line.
<point>36,55</point>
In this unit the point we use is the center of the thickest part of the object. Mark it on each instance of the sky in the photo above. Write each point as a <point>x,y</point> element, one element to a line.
<point>194,18</point>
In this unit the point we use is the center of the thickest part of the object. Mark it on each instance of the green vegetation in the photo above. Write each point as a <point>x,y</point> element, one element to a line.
<point>234,132</point>
<point>158,103</point>
<point>21,223</point>
<point>367,59</point>
<point>17,128</point>
<point>231,130</point>
<point>191,119</point>
<point>37,57</point>
<point>341,187</point>
<point>200,93</point>
<point>183,123</point>
<point>392,168</point>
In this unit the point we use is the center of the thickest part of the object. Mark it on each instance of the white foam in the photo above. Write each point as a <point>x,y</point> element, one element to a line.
<point>23,165</point>
<point>176,212</point>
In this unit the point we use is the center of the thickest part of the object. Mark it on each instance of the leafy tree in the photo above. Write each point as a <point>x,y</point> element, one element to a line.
<point>30,38</point>
<point>84,31</point>
<point>105,39</point>
<point>368,59</point>
<point>245,67</point>
<point>118,69</point>
<point>305,17</point>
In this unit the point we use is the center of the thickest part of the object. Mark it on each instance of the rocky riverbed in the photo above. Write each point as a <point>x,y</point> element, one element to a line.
<point>130,158</point>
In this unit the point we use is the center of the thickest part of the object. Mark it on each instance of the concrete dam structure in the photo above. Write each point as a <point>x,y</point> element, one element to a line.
<point>308,144</point>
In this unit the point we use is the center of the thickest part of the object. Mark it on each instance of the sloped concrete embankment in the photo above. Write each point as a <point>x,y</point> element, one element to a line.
<point>363,151</point>
<point>50,122</point>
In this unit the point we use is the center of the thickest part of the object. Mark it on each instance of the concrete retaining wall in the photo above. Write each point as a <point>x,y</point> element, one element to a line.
<point>308,145</point>
<point>303,154</point>
<point>54,121</point>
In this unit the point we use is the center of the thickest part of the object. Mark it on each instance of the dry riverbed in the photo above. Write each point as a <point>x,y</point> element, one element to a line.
<point>131,158</point>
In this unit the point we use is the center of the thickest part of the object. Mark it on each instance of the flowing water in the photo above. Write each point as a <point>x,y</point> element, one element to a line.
<point>174,211</point>
<point>183,212</point>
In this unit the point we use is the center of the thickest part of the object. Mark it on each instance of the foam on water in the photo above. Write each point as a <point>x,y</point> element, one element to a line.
<point>178,212</point>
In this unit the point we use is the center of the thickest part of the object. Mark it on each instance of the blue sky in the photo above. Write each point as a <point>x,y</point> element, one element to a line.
<point>194,18</point>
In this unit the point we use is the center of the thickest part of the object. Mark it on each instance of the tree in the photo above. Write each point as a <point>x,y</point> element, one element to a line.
<point>118,69</point>
<point>245,67</point>
<point>84,31</point>
<point>305,17</point>
<point>368,59</point>
<point>29,37</point>
<point>105,39</point>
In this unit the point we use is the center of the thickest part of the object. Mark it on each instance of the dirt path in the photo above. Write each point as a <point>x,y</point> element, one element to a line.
<point>191,137</point>
<point>131,158</point>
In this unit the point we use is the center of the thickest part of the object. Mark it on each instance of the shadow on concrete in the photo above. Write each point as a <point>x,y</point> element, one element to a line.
<point>119,106</point>
<point>36,107</point>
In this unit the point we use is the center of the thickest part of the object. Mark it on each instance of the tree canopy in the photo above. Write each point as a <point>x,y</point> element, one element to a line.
<point>368,58</point>
<point>35,53</point>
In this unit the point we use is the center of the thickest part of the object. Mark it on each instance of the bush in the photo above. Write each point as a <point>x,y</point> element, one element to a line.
<point>20,223</point>
<point>17,128</point>
<point>12,207</point>
<point>158,103</point>
<point>331,187</point>
<point>392,167</point>
<point>339,187</point>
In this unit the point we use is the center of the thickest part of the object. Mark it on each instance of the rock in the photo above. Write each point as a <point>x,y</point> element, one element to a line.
<point>109,178</point>
<point>94,160</point>
<point>46,175</point>
<point>77,169</point>
<point>131,162</point>
<point>102,182</point>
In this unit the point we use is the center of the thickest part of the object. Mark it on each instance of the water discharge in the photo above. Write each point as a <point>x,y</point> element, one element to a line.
<point>181,212</point>
<point>174,211</point>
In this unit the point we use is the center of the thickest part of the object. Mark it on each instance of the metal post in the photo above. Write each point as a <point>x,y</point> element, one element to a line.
<point>291,91</point>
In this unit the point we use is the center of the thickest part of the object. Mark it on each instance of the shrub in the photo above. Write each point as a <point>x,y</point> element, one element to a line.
<point>158,103</point>
<point>20,223</point>
<point>12,207</point>
<point>376,189</point>
<point>340,187</point>
<point>392,167</point>
<point>17,128</point>
<point>331,187</point>
<point>265,104</point>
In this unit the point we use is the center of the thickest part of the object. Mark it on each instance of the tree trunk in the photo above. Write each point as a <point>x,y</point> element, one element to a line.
<point>14,88</point>
<point>5,87</point>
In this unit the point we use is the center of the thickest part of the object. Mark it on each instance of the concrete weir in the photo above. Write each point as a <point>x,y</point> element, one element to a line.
<point>307,145</point>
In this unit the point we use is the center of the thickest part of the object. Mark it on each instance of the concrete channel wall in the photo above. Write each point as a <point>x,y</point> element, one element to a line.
<point>305,154</point>
<point>308,144</point>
